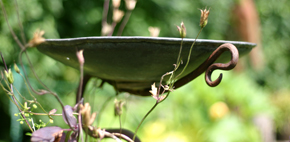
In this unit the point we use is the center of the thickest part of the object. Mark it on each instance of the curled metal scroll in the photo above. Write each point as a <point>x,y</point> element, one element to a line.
<point>228,66</point>
<point>209,66</point>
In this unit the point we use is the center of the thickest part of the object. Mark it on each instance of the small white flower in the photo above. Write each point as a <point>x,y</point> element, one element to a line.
<point>118,15</point>
<point>153,91</point>
<point>130,4</point>
<point>154,31</point>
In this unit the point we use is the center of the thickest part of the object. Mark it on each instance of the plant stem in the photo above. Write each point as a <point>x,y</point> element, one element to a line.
<point>124,22</point>
<point>189,54</point>
<point>22,114</point>
<point>81,82</point>
<point>10,29</point>
<point>12,94</point>
<point>20,23</point>
<point>113,28</point>
<point>144,119</point>
<point>120,122</point>
<point>80,127</point>
<point>180,50</point>
<point>105,12</point>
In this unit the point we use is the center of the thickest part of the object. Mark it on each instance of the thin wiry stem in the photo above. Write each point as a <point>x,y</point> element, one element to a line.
<point>80,127</point>
<point>25,74</point>
<point>124,22</point>
<point>189,54</point>
<point>20,23</point>
<point>28,82</point>
<point>10,29</point>
<point>120,122</point>
<point>105,12</point>
<point>81,81</point>
<point>160,83</point>
<point>80,94</point>
<point>113,28</point>
<point>7,92</point>
<point>54,94</point>
<point>179,54</point>
<point>178,62</point>
<point>34,99</point>
<point>12,94</point>
<point>34,113</point>
<point>22,114</point>
<point>144,119</point>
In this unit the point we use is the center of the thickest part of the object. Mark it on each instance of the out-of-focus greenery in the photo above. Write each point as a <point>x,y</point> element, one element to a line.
<point>185,115</point>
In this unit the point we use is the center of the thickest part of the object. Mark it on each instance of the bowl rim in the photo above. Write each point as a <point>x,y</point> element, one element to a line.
<point>167,40</point>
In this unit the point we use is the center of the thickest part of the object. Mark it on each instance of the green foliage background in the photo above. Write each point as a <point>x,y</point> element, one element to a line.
<point>184,116</point>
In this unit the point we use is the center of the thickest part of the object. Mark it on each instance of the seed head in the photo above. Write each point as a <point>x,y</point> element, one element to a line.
<point>118,107</point>
<point>154,31</point>
<point>182,30</point>
<point>9,76</point>
<point>85,111</point>
<point>130,4</point>
<point>203,17</point>
<point>106,29</point>
<point>34,106</point>
<point>16,68</point>
<point>81,57</point>
<point>117,15</point>
<point>116,3</point>
<point>37,39</point>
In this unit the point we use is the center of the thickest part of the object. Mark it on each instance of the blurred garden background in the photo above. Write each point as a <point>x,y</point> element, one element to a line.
<point>255,94</point>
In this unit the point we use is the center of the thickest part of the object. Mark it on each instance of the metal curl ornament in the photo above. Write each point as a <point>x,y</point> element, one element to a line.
<point>209,66</point>
<point>228,66</point>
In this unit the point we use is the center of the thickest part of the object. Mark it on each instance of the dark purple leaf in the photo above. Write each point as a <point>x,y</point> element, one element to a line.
<point>47,134</point>
<point>68,112</point>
